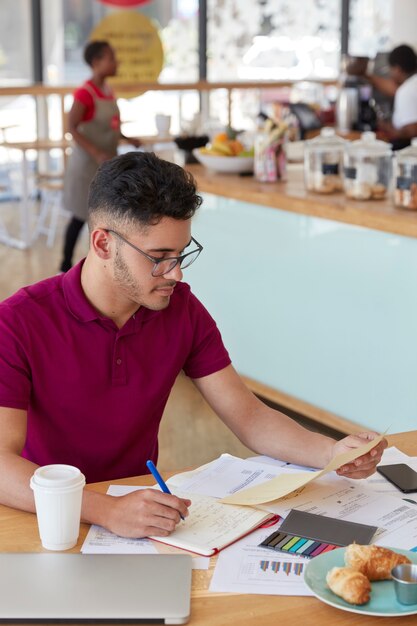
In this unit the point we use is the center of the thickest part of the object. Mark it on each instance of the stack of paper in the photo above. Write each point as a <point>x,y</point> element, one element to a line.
<point>271,487</point>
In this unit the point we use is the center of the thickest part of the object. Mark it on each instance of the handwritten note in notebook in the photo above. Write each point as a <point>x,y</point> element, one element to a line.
<point>212,526</point>
<point>283,485</point>
<point>209,528</point>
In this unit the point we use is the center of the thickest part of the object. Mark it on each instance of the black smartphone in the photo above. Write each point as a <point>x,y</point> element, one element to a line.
<point>400,475</point>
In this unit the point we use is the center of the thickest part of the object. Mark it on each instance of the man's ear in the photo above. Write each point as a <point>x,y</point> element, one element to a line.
<point>101,244</point>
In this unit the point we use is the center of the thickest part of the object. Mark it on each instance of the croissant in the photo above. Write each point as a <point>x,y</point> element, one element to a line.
<point>373,561</point>
<point>349,584</point>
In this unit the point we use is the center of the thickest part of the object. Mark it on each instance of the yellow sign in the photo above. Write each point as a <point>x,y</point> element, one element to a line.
<point>138,49</point>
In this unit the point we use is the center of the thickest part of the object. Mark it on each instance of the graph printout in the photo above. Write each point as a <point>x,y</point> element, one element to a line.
<point>246,568</point>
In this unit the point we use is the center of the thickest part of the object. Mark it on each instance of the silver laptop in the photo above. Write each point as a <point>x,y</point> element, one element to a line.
<point>81,588</point>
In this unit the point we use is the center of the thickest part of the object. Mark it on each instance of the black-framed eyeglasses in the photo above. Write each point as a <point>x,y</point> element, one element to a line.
<point>166,264</point>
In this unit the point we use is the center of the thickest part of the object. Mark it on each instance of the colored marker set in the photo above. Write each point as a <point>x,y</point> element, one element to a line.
<point>309,535</point>
<point>296,545</point>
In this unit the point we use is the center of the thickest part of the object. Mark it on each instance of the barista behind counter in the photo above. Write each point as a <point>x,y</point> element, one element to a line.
<point>402,86</point>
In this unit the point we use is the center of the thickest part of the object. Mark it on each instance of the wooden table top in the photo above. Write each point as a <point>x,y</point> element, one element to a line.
<point>62,144</point>
<point>292,196</point>
<point>19,533</point>
<point>38,144</point>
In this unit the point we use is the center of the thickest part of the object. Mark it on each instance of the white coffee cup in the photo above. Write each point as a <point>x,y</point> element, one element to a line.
<point>58,491</point>
<point>162,123</point>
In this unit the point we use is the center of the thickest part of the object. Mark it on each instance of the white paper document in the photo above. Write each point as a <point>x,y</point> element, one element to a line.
<point>281,486</point>
<point>373,501</point>
<point>245,482</point>
<point>351,500</point>
<point>102,541</point>
<point>226,475</point>
<point>246,568</point>
<point>268,460</point>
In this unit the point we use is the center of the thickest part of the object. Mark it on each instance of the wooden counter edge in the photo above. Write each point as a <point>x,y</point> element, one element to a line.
<point>326,418</point>
<point>378,215</point>
<point>401,440</point>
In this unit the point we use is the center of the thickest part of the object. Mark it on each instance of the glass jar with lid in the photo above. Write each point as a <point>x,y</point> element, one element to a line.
<point>405,195</point>
<point>368,168</point>
<point>323,162</point>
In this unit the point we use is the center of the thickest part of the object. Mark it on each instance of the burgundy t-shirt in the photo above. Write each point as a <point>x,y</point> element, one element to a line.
<point>94,393</point>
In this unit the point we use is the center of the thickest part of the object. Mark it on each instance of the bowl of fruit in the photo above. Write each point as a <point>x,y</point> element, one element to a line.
<point>226,154</point>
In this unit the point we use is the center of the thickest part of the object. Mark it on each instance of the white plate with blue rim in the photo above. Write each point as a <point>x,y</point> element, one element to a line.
<point>383,600</point>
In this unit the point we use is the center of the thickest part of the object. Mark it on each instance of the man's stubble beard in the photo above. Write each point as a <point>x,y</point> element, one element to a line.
<point>125,280</point>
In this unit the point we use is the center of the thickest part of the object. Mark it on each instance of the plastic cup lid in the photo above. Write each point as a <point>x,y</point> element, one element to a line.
<point>327,140</point>
<point>368,144</point>
<point>58,475</point>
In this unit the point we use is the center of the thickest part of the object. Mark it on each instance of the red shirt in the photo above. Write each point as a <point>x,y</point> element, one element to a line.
<point>94,393</point>
<point>84,95</point>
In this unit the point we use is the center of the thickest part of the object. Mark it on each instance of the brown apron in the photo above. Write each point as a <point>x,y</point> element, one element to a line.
<point>81,167</point>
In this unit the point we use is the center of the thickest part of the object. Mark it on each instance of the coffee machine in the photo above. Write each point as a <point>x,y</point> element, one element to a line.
<point>355,105</point>
<point>347,106</point>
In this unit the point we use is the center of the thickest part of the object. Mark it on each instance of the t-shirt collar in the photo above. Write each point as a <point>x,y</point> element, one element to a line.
<point>75,297</point>
<point>83,310</point>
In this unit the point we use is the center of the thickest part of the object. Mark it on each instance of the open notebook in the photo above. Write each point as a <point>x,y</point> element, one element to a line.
<point>210,526</point>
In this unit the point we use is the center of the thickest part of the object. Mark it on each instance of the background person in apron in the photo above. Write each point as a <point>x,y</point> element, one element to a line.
<point>94,122</point>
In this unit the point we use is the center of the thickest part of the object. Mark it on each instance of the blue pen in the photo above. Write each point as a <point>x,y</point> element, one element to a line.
<point>151,467</point>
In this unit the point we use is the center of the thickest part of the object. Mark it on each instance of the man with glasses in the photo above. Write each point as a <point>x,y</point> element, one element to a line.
<point>88,358</point>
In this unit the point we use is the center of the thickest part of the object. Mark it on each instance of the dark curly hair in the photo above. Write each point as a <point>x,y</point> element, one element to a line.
<point>95,50</point>
<point>404,57</point>
<point>140,188</point>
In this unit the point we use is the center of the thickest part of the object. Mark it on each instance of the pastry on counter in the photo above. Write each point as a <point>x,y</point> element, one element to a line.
<point>357,190</point>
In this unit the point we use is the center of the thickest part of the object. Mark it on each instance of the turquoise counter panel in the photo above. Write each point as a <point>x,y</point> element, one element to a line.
<point>321,310</point>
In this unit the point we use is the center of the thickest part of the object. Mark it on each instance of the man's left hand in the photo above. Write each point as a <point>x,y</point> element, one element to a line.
<point>365,465</point>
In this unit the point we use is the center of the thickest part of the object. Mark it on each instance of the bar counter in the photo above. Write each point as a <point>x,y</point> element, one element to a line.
<point>292,196</point>
<point>315,297</point>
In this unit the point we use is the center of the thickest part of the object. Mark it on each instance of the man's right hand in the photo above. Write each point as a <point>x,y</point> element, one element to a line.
<point>145,512</point>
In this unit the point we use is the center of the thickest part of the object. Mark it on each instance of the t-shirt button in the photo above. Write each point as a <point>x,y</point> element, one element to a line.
<point>119,361</point>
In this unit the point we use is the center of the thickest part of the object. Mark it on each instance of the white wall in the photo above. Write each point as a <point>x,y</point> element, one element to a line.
<point>53,42</point>
<point>404,22</point>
